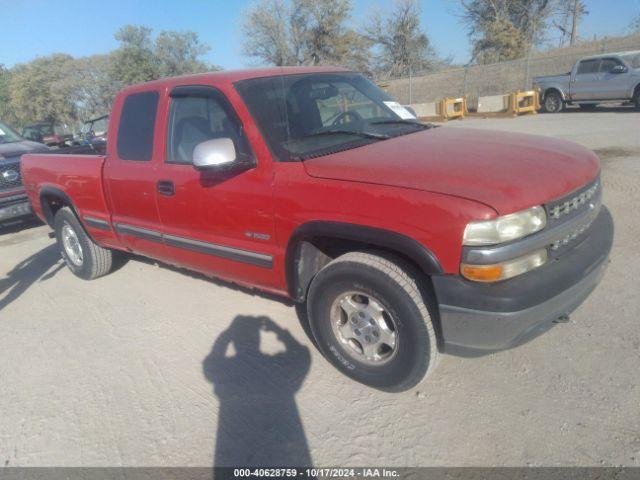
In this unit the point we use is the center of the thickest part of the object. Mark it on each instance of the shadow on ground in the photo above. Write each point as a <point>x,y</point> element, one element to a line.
<point>258,422</point>
<point>35,268</point>
<point>20,225</point>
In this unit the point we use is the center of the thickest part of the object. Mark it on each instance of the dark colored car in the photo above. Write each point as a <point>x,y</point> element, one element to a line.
<point>14,203</point>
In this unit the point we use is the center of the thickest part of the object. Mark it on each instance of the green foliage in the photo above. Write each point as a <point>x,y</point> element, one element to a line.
<point>43,90</point>
<point>134,61</point>
<point>178,53</point>
<point>61,89</point>
<point>6,114</point>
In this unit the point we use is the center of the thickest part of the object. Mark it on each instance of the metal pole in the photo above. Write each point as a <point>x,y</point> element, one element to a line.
<point>410,86</point>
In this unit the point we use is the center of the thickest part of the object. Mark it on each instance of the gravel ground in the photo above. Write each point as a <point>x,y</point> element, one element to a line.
<point>120,371</point>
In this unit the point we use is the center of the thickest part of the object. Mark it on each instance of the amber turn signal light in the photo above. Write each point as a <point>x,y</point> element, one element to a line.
<point>482,273</point>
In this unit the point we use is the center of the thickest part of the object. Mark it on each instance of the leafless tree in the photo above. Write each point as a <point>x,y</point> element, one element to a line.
<point>404,48</point>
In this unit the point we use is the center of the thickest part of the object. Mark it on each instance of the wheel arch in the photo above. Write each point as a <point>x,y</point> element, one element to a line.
<point>53,199</point>
<point>556,89</point>
<point>314,244</point>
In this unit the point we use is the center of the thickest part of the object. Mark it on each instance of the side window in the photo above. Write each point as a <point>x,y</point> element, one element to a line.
<point>607,64</point>
<point>588,66</point>
<point>135,132</point>
<point>194,119</point>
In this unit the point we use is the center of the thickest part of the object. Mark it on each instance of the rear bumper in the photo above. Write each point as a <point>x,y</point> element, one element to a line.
<point>478,318</point>
<point>15,206</point>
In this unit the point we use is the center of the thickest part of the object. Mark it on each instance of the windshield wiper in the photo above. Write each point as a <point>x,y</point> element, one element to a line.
<point>359,133</point>
<point>424,126</point>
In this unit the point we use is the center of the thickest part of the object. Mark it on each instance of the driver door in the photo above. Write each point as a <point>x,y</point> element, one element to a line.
<point>218,222</point>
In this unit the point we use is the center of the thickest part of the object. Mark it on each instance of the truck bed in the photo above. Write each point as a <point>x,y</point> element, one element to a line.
<point>78,177</point>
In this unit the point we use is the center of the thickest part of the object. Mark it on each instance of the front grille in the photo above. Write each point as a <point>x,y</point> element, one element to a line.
<point>10,176</point>
<point>574,214</point>
<point>569,206</point>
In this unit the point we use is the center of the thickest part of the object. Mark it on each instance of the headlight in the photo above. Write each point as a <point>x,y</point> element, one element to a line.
<point>505,228</point>
<point>504,270</point>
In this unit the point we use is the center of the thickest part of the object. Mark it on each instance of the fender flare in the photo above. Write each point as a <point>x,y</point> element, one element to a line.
<point>377,237</point>
<point>54,192</point>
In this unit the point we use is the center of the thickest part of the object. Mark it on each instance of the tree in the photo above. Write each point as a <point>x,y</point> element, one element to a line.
<point>570,12</point>
<point>178,53</point>
<point>134,61</point>
<point>6,113</point>
<point>95,87</point>
<point>274,32</point>
<point>404,47</point>
<point>489,20</point>
<point>43,89</point>
<point>303,32</point>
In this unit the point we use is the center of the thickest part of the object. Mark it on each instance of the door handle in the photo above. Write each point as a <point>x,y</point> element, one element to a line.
<point>166,187</point>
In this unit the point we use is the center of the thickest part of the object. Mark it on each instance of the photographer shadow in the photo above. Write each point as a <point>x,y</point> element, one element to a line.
<point>258,421</point>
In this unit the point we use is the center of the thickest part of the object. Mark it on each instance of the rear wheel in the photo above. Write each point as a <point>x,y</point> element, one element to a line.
<point>553,102</point>
<point>370,320</point>
<point>85,258</point>
<point>636,98</point>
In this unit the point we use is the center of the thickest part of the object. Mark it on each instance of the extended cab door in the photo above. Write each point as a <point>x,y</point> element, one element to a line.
<point>129,174</point>
<point>218,222</point>
<point>585,80</point>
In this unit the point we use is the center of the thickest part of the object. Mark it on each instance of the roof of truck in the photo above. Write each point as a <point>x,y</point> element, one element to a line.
<point>611,54</point>
<point>231,76</point>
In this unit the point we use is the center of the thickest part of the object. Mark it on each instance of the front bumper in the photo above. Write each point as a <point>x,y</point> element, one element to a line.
<point>15,206</point>
<point>478,318</point>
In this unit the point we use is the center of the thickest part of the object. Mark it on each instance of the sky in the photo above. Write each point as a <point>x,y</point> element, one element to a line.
<point>31,28</point>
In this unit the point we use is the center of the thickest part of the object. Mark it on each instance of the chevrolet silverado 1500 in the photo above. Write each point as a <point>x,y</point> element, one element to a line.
<point>611,77</point>
<point>404,239</point>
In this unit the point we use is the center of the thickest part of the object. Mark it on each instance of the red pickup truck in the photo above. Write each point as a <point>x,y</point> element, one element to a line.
<point>405,240</point>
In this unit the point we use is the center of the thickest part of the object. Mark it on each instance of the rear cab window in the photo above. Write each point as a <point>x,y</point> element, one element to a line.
<point>588,66</point>
<point>136,129</point>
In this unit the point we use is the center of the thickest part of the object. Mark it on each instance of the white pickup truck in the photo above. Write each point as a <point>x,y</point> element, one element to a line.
<point>611,77</point>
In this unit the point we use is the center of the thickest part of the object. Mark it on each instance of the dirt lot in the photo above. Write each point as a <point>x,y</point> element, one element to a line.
<point>119,371</point>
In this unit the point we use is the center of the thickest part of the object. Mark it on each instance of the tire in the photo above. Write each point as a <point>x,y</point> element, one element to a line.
<point>636,98</point>
<point>371,283</point>
<point>83,256</point>
<point>588,106</point>
<point>553,102</point>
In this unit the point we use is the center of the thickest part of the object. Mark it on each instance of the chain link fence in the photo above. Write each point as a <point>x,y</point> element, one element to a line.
<point>499,78</point>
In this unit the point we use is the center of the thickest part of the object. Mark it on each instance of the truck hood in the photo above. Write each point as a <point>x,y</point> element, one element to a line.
<point>506,171</point>
<point>15,149</point>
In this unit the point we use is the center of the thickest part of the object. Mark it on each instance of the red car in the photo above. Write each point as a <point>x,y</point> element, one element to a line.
<point>405,240</point>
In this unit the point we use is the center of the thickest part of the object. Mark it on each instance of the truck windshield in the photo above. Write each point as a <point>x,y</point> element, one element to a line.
<point>309,115</point>
<point>7,135</point>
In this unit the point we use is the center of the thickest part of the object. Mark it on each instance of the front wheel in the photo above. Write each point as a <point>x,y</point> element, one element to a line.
<point>553,102</point>
<point>370,320</point>
<point>85,258</point>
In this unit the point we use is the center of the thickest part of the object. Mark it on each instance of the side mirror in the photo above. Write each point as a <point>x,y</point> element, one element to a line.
<point>619,69</point>
<point>216,154</point>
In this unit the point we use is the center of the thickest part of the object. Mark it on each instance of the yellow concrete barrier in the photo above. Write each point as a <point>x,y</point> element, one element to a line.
<point>524,102</point>
<point>450,108</point>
